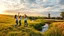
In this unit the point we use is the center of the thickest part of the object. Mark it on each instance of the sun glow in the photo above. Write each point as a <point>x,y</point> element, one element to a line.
<point>2,9</point>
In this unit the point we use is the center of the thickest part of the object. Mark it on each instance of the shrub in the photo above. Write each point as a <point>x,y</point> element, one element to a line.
<point>38,26</point>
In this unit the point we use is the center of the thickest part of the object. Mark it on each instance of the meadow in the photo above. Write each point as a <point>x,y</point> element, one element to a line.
<point>7,28</point>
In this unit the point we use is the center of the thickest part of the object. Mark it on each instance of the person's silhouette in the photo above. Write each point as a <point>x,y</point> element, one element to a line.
<point>25,20</point>
<point>16,19</point>
<point>20,18</point>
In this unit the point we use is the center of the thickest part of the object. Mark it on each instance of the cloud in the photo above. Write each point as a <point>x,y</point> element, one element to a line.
<point>61,2</point>
<point>33,6</point>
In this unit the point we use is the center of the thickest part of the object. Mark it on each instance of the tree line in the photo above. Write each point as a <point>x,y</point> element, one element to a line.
<point>49,17</point>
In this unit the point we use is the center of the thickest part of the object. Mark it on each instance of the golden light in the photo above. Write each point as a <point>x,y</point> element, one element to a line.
<point>2,10</point>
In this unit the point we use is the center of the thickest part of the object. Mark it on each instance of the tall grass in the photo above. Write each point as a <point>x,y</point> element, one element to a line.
<point>56,29</point>
<point>7,27</point>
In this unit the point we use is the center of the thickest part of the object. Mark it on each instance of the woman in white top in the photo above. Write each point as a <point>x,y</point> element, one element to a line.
<point>16,18</point>
<point>25,20</point>
<point>20,18</point>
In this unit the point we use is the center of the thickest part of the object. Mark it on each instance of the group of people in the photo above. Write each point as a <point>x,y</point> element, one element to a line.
<point>18,20</point>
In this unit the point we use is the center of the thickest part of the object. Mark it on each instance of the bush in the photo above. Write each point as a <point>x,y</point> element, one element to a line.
<point>38,26</point>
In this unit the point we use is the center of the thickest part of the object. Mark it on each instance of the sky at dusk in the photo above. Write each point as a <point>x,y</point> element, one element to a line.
<point>32,7</point>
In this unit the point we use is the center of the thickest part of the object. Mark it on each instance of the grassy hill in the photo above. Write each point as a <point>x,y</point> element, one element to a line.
<point>7,27</point>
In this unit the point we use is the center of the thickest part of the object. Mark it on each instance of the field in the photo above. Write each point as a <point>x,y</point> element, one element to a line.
<point>56,29</point>
<point>7,27</point>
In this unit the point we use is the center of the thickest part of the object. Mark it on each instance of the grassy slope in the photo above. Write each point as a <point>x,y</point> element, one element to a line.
<point>6,28</point>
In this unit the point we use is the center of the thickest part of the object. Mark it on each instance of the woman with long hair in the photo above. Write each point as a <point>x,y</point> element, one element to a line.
<point>20,18</point>
<point>25,20</point>
<point>16,19</point>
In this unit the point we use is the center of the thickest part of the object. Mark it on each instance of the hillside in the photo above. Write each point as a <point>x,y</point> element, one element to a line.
<point>7,27</point>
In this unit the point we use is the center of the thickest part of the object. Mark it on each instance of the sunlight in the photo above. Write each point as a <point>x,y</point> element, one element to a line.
<point>2,10</point>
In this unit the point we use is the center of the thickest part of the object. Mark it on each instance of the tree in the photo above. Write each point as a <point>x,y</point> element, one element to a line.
<point>62,15</point>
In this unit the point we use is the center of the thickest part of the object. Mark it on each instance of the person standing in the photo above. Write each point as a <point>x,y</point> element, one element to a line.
<point>16,19</point>
<point>20,18</point>
<point>25,20</point>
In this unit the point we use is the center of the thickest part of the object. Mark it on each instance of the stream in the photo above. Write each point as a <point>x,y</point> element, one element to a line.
<point>45,27</point>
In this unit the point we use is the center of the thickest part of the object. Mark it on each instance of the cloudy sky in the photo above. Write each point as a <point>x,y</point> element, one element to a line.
<point>33,7</point>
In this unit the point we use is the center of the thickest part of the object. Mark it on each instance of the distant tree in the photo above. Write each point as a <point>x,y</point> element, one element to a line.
<point>62,15</point>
